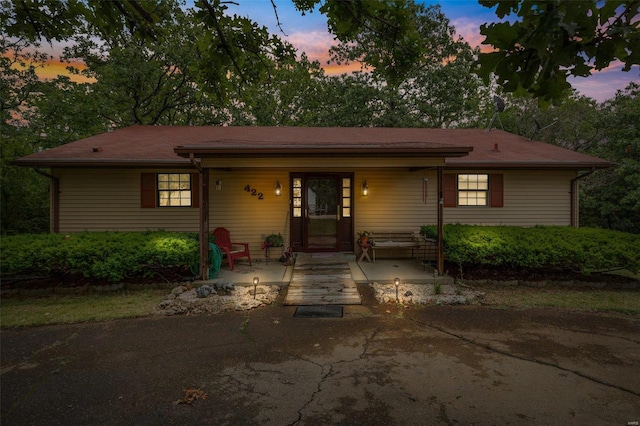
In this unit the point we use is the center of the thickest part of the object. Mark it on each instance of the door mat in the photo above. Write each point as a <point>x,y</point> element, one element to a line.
<point>318,311</point>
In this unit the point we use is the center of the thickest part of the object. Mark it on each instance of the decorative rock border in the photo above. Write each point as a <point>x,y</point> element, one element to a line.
<point>184,299</point>
<point>422,294</point>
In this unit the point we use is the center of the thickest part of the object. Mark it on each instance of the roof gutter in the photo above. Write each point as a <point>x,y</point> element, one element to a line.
<point>110,163</point>
<point>333,151</point>
<point>527,165</point>
<point>575,199</point>
<point>54,192</point>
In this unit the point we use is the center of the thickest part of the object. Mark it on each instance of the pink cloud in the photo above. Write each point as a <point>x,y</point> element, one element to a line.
<point>316,45</point>
<point>603,85</point>
<point>469,30</point>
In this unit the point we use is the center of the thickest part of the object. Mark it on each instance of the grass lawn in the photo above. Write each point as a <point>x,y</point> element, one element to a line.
<point>624,302</point>
<point>61,309</point>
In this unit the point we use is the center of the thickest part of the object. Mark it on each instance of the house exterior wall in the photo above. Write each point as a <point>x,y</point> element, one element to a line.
<point>531,197</point>
<point>98,200</point>
<point>395,200</point>
<point>109,200</point>
<point>245,215</point>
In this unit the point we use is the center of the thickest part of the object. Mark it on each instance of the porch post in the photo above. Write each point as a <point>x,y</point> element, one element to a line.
<point>440,220</point>
<point>204,223</point>
<point>54,200</point>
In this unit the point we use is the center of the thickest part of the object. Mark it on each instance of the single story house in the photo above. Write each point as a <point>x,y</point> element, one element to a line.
<point>315,186</point>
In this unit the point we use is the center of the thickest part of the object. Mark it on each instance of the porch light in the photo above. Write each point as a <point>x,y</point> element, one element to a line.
<point>256,280</point>
<point>218,185</point>
<point>365,188</point>
<point>278,189</point>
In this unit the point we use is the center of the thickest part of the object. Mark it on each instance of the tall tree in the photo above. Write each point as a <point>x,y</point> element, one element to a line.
<point>611,197</point>
<point>60,20</point>
<point>550,40</point>
<point>573,124</point>
<point>291,96</point>
<point>349,101</point>
<point>422,72</point>
<point>23,206</point>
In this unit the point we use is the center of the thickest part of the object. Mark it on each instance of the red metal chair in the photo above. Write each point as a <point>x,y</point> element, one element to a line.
<point>231,249</point>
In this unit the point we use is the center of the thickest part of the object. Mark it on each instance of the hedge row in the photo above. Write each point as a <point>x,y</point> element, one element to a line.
<point>113,256</point>
<point>583,249</point>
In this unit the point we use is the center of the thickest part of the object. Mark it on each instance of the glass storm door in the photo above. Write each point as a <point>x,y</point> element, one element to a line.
<point>323,213</point>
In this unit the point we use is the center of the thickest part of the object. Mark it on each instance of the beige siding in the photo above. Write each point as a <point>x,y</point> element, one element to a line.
<point>395,201</point>
<point>530,198</point>
<point>248,218</point>
<point>109,200</point>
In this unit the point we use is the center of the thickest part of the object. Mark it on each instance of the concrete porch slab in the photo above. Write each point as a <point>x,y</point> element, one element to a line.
<point>382,271</point>
<point>273,273</point>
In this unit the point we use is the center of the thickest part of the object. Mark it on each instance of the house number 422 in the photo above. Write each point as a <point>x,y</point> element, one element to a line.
<point>254,192</point>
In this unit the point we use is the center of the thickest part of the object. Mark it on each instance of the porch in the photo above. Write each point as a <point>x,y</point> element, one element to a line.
<point>383,271</point>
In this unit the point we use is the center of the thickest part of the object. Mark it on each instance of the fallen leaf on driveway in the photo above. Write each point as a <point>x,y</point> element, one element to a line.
<point>191,395</point>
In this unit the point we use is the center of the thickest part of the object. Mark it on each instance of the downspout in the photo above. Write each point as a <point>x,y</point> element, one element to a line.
<point>440,248</point>
<point>203,218</point>
<point>55,199</point>
<point>575,200</point>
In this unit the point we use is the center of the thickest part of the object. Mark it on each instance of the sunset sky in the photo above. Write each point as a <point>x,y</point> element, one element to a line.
<point>309,34</point>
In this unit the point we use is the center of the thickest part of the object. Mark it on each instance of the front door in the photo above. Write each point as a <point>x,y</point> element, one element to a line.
<point>321,212</point>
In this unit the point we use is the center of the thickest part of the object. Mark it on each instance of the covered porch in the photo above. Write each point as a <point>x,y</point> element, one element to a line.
<point>397,165</point>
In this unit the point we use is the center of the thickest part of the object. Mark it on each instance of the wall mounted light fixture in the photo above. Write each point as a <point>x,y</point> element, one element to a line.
<point>218,185</point>
<point>365,188</point>
<point>278,189</point>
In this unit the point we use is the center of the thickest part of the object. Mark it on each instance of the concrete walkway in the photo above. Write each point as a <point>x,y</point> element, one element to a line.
<point>322,279</point>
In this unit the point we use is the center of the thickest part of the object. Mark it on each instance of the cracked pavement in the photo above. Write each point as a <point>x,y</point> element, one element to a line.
<point>379,365</point>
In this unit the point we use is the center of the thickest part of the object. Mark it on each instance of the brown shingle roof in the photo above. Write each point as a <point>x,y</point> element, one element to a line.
<point>152,146</point>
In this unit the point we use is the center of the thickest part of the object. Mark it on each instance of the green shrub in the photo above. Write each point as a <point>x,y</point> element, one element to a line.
<point>111,256</point>
<point>583,249</point>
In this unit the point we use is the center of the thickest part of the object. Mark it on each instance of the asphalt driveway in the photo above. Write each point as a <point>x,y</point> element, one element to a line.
<point>377,365</point>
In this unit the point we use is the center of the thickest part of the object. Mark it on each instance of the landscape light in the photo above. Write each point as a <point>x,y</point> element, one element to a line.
<point>256,280</point>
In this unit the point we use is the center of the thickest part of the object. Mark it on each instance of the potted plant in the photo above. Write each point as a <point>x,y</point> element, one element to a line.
<point>364,236</point>
<point>273,240</point>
